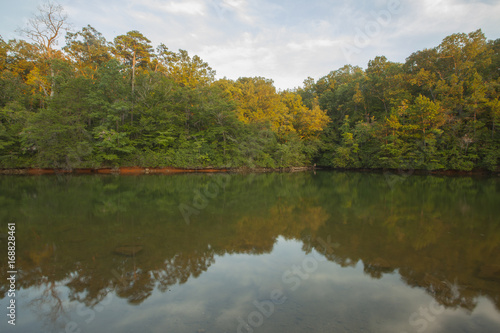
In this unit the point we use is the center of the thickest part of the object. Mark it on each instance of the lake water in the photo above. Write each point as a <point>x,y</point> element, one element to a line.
<point>303,252</point>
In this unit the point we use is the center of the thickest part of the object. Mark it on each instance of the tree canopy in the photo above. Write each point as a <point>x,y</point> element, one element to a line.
<point>95,103</point>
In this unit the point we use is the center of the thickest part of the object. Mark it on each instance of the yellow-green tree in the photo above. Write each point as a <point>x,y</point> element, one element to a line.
<point>259,102</point>
<point>183,69</point>
<point>44,29</point>
<point>306,122</point>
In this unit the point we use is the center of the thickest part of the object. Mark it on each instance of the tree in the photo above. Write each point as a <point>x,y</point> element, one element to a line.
<point>12,87</point>
<point>12,122</point>
<point>460,53</point>
<point>88,48</point>
<point>306,122</point>
<point>346,153</point>
<point>343,92</point>
<point>108,97</point>
<point>44,29</point>
<point>134,49</point>
<point>3,54</point>
<point>57,138</point>
<point>424,116</point>
<point>257,101</point>
<point>308,92</point>
<point>386,84</point>
<point>183,69</point>
<point>477,100</point>
<point>421,70</point>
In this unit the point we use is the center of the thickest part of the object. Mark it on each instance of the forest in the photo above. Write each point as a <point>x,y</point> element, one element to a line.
<point>96,103</point>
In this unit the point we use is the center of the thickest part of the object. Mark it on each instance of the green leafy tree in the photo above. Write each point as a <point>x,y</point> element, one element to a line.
<point>134,50</point>
<point>57,139</point>
<point>88,49</point>
<point>346,153</point>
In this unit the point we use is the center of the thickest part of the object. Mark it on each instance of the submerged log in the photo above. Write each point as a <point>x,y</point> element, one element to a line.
<point>489,272</point>
<point>128,250</point>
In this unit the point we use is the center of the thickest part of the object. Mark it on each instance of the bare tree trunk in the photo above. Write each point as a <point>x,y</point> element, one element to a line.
<point>53,83</point>
<point>133,90</point>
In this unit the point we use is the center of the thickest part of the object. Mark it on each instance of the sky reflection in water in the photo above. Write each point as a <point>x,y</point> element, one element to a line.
<point>420,255</point>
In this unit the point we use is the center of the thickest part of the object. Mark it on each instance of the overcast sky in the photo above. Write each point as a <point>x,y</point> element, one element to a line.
<point>286,41</point>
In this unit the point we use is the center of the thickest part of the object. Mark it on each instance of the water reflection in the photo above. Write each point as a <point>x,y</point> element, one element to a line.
<point>85,242</point>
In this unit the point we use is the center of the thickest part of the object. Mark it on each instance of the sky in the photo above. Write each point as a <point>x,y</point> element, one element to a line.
<point>287,41</point>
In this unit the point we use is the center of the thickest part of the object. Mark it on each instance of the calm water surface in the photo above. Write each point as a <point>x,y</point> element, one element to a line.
<point>324,252</point>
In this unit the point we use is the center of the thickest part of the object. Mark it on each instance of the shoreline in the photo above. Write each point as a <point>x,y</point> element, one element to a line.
<point>141,171</point>
<point>173,170</point>
<point>423,172</point>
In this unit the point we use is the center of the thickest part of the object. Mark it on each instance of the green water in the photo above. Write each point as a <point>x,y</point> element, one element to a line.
<point>304,252</point>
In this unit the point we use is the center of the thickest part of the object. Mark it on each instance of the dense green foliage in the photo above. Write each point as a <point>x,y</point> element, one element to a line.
<point>96,103</point>
<point>438,110</point>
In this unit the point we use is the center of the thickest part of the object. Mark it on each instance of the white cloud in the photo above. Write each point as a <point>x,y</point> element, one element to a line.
<point>184,7</point>
<point>310,45</point>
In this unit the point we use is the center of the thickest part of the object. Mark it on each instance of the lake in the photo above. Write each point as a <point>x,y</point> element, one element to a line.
<point>318,251</point>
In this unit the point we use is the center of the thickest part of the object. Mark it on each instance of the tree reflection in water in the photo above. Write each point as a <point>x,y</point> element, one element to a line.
<point>440,234</point>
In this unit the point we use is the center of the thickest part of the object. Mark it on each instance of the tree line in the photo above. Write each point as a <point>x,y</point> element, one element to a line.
<point>438,110</point>
<point>96,103</point>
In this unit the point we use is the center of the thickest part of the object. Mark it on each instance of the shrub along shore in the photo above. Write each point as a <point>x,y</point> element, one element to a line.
<point>141,171</point>
<point>172,171</point>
